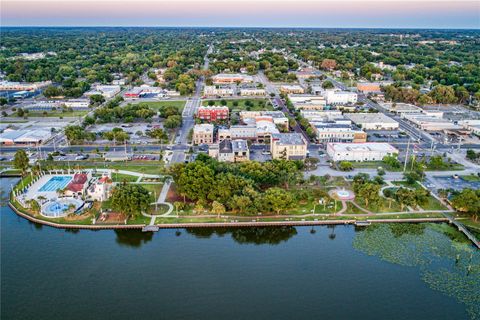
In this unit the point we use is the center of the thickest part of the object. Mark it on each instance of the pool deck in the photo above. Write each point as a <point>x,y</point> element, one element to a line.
<point>34,191</point>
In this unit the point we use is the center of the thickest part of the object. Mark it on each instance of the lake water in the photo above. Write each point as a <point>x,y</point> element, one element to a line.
<point>381,272</point>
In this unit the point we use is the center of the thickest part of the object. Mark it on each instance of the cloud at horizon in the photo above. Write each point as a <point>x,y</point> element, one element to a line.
<point>238,13</point>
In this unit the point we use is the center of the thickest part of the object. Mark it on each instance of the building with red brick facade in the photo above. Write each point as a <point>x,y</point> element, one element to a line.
<point>212,113</point>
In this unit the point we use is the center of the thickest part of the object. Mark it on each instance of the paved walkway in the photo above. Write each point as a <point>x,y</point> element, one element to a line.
<point>161,200</point>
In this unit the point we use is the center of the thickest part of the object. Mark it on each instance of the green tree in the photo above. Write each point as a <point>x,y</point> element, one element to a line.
<point>130,199</point>
<point>20,161</point>
<point>277,199</point>
<point>345,166</point>
<point>218,208</point>
<point>467,201</point>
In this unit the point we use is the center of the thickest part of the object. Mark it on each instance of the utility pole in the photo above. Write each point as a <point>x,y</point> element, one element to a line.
<point>406,156</point>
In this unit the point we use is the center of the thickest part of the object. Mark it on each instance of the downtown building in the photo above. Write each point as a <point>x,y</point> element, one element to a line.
<point>212,113</point>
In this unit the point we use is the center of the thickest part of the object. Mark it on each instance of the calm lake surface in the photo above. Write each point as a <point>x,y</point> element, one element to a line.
<point>380,272</point>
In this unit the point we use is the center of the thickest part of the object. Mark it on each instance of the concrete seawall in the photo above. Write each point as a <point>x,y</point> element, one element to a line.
<point>220,224</point>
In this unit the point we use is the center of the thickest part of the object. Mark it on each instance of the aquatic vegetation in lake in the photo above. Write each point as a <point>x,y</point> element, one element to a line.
<point>447,262</point>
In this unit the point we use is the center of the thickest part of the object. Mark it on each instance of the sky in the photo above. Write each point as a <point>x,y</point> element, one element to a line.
<point>244,13</point>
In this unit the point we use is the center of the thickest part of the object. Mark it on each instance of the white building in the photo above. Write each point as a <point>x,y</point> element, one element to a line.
<point>367,151</point>
<point>429,123</point>
<point>100,189</point>
<point>335,97</point>
<point>77,103</point>
<point>401,108</point>
<point>252,92</point>
<point>210,91</point>
<point>292,89</point>
<point>108,91</point>
<point>307,102</point>
<point>278,117</point>
<point>24,137</point>
<point>471,125</point>
<point>288,146</point>
<point>203,133</point>
<point>23,86</point>
<point>223,78</point>
<point>372,121</point>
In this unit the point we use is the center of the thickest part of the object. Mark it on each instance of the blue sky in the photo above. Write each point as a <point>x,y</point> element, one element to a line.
<point>238,13</point>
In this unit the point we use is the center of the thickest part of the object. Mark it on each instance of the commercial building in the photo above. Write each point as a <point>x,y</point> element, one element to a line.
<point>335,97</point>
<point>401,108</point>
<point>307,73</point>
<point>368,87</point>
<point>335,132</point>
<point>429,123</point>
<point>24,137</point>
<point>230,151</point>
<point>291,89</point>
<point>23,86</point>
<point>108,91</point>
<point>368,151</point>
<point>372,121</point>
<point>471,125</point>
<point>77,103</point>
<point>231,78</point>
<point>288,146</point>
<point>213,113</point>
<point>307,102</point>
<point>133,93</point>
<point>278,117</point>
<point>238,132</point>
<point>252,92</point>
<point>203,134</point>
<point>211,91</point>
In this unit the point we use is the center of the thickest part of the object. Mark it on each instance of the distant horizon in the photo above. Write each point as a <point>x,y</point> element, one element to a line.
<point>349,14</point>
<point>234,27</point>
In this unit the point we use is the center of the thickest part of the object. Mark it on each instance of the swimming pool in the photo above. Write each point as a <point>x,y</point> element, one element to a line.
<point>59,208</point>
<point>55,183</point>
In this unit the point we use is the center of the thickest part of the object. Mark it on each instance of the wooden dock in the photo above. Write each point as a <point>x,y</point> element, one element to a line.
<point>462,228</point>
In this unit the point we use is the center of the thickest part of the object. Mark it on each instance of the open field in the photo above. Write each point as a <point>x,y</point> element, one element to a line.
<point>257,104</point>
<point>179,104</point>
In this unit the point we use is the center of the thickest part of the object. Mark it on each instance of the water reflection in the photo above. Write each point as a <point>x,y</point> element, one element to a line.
<point>258,236</point>
<point>134,238</point>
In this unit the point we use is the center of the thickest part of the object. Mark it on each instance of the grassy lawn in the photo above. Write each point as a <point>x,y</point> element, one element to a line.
<point>374,165</point>
<point>120,177</point>
<point>471,178</point>
<point>155,189</point>
<point>50,114</point>
<point>23,182</point>
<point>264,104</point>
<point>179,104</point>
<point>433,204</point>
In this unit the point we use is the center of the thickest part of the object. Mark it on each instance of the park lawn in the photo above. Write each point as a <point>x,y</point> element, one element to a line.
<point>155,189</point>
<point>405,184</point>
<point>23,182</point>
<point>12,172</point>
<point>448,167</point>
<point>433,204</point>
<point>121,177</point>
<point>471,178</point>
<point>241,104</point>
<point>179,104</point>
<point>51,114</point>
<point>374,165</point>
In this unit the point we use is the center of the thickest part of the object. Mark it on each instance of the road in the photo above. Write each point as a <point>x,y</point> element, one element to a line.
<point>270,88</point>
<point>188,114</point>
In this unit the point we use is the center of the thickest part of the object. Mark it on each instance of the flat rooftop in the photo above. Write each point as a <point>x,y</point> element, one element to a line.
<point>363,147</point>
<point>289,138</point>
<point>369,118</point>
